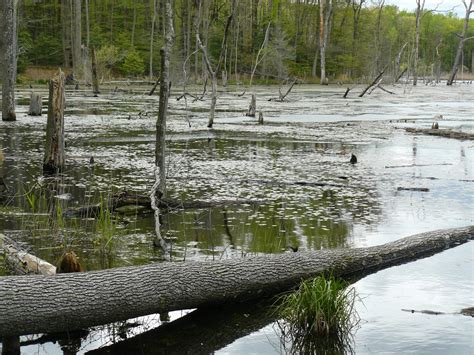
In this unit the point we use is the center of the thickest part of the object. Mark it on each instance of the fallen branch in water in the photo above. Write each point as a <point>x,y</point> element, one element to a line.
<point>420,189</point>
<point>43,304</point>
<point>446,133</point>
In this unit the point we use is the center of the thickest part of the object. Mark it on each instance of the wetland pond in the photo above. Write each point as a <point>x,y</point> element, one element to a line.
<point>309,138</point>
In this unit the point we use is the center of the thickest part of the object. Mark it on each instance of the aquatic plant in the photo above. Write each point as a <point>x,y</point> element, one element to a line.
<point>320,314</point>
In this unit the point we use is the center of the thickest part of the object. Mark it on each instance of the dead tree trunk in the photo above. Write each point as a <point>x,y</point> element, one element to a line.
<point>420,4</point>
<point>159,189</point>
<point>43,304</point>
<point>54,150</point>
<point>252,107</point>
<point>77,62</point>
<point>36,105</point>
<point>462,39</point>
<point>213,72</point>
<point>324,19</point>
<point>95,79</point>
<point>8,11</point>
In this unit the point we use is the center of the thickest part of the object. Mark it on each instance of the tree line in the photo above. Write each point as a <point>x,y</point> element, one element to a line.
<point>327,40</point>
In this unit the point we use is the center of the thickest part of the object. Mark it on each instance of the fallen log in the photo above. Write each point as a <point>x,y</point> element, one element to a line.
<point>446,133</point>
<point>43,304</point>
<point>127,199</point>
<point>20,262</point>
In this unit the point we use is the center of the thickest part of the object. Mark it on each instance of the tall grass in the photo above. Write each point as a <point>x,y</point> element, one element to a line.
<point>320,315</point>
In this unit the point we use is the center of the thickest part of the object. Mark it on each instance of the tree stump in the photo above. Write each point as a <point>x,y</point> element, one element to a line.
<point>95,80</point>
<point>252,107</point>
<point>53,161</point>
<point>260,117</point>
<point>36,104</point>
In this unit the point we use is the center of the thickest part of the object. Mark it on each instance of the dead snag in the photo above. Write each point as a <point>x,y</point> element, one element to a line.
<point>35,104</point>
<point>252,107</point>
<point>95,79</point>
<point>347,92</point>
<point>53,161</point>
<point>376,81</point>
<point>260,117</point>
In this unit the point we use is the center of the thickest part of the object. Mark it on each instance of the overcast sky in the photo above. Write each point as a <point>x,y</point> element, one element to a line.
<point>431,4</point>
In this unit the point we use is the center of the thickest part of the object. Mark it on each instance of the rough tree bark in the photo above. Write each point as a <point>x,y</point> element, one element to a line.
<point>462,39</point>
<point>8,27</point>
<point>40,304</point>
<point>54,149</point>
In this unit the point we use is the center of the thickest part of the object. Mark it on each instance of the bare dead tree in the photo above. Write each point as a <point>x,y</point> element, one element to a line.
<point>462,39</point>
<point>420,5</point>
<point>213,73</point>
<point>325,13</point>
<point>159,188</point>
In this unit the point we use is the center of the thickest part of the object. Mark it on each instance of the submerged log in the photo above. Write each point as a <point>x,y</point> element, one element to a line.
<point>43,304</point>
<point>446,133</point>
<point>36,105</point>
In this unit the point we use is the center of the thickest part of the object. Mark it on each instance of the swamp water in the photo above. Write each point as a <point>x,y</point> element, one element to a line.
<point>305,141</point>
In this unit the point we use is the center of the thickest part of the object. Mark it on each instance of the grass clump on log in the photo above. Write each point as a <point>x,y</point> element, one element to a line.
<point>319,316</point>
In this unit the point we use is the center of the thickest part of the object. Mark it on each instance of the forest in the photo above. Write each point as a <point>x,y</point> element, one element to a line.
<point>360,37</point>
<point>236,176</point>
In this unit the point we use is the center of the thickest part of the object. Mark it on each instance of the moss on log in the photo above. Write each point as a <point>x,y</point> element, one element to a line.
<point>42,304</point>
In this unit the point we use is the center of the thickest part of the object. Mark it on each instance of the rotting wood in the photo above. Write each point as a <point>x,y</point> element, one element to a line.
<point>36,104</point>
<point>43,304</point>
<point>54,159</point>
<point>260,117</point>
<point>446,133</point>
<point>346,93</point>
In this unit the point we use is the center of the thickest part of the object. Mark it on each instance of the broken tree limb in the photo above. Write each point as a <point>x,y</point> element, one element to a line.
<point>377,80</point>
<point>19,262</point>
<point>281,96</point>
<point>43,304</point>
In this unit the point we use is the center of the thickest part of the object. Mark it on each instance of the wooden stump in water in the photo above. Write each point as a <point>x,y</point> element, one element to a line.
<point>36,104</point>
<point>53,161</point>
<point>95,80</point>
<point>252,107</point>
<point>260,117</point>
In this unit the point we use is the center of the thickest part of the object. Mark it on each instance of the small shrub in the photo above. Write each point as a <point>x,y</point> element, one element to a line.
<point>132,64</point>
<point>319,314</point>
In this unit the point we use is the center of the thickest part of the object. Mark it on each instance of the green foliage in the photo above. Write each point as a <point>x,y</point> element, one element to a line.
<point>320,309</point>
<point>121,31</point>
<point>132,64</point>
